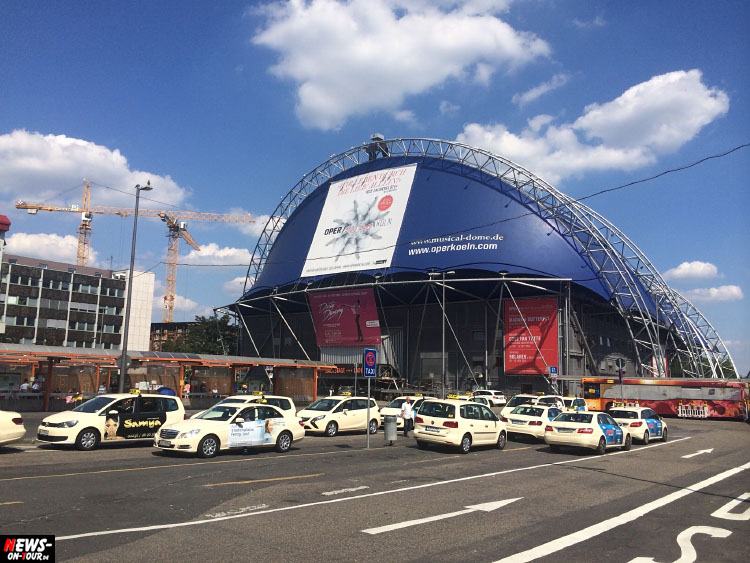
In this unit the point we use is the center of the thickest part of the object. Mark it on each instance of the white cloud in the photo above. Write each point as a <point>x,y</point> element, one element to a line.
<point>652,118</point>
<point>405,116</point>
<point>46,246</point>
<point>213,254</point>
<point>557,81</point>
<point>357,57</point>
<point>448,108</point>
<point>38,168</point>
<point>183,305</point>
<point>692,270</point>
<point>720,294</point>
<point>598,21</point>
<point>235,286</point>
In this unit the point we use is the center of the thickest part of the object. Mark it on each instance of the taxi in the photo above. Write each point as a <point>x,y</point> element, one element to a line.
<point>229,426</point>
<point>549,400</point>
<point>575,404</point>
<point>284,403</point>
<point>394,408</point>
<point>11,427</point>
<point>593,430</point>
<point>531,419</point>
<point>109,418</point>
<point>496,398</point>
<point>643,423</point>
<point>456,422</point>
<point>331,415</point>
<point>516,400</point>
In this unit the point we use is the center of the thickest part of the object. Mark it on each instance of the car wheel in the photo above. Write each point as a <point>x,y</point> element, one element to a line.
<point>87,439</point>
<point>332,429</point>
<point>602,447</point>
<point>208,446</point>
<point>502,439</point>
<point>465,444</point>
<point>422,445</point>
<point>374,426</point>
<point>664,435</point>
<point>284,442</point>
<point>646,437</point>
<point>628,443</point>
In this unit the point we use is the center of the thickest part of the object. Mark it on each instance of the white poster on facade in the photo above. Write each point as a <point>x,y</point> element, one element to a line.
<point>360,222</point>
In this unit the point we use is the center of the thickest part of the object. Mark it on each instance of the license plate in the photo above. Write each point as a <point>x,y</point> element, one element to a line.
<point>565,430</point>
<point>165,444</point>
<point>44,432</point>
<point>431,429</point>
<point>518,421</point>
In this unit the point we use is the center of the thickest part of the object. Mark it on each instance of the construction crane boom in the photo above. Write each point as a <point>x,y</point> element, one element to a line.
<point>176,225</point>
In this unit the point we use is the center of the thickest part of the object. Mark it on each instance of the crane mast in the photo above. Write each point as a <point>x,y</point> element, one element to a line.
<point>176,225</point>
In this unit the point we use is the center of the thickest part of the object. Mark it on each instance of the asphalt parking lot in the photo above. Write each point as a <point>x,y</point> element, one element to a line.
<point>333,499</point>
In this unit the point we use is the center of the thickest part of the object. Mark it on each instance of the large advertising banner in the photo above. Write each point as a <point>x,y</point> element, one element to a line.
<point>360,222</point>
<point>521,355</point>
<point>345,318</point>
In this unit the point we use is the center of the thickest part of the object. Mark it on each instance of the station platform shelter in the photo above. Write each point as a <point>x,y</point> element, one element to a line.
<point>65,374</point>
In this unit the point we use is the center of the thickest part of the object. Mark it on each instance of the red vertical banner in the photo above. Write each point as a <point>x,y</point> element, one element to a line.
<point>345,318</point>
<point>521,354</point>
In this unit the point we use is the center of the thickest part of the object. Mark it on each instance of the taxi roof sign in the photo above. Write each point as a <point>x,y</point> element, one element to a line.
<point>257,392</point>
<point>135,391</point>
<point>452,396</point>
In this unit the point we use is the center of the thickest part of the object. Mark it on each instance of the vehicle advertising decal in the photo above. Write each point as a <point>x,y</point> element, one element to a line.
<point>345,318</point>
<point>521,343</point>
<point>129,426</point>
<point>255,432</point>
<point>360,222</point>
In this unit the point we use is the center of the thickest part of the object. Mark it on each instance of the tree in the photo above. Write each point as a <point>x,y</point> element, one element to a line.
<point>208,335</point>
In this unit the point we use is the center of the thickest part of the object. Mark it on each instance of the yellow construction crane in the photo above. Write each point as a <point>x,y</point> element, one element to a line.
<point>175,221</point>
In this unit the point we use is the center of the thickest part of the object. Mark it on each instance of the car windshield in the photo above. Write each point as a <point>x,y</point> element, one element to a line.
<point>395,404</point>
<point>95,404</point>
<point>568,402</point>
<point>218,413</point>
<point>515,401</point>
<point>623,414</point>
<point>438,410</point>
<point>480,393</point>
<point>229,400</point>
<point>528,411</point>
<point>547,401</point>
<point>323,405</point>
<point>580,417</point>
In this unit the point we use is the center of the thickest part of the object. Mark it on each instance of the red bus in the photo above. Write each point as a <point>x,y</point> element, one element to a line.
<point>688,398</point>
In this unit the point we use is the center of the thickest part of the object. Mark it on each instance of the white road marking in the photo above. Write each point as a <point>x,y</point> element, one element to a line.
<point>351,490</point>
<point>486,507</point>
<point>592,531</point>
<point>687,551</point>
<point>356,497</point>
<point>724,511</point>
<point>237,511</point>
<point>699,452</point>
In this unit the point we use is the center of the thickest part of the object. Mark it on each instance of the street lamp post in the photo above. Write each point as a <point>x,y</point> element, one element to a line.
<point>124,355</point>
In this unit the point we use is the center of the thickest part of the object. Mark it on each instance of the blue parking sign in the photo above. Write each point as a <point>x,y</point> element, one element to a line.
<point>371,362</point>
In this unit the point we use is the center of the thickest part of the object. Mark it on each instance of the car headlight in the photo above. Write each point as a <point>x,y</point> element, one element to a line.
<point>69,423</point>
<point>189,433</point>
<point>317,418</point>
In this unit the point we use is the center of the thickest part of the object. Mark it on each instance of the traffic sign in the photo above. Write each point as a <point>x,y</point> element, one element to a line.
<point>371,362</point>
<point>553,370</point>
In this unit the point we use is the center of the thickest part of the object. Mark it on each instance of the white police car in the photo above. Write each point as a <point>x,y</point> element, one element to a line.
<point>593,430</point>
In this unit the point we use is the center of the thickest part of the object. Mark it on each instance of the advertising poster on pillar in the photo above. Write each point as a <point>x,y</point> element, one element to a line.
<point>521,354</point>
<point>345,318</point>
<point>360,222</point>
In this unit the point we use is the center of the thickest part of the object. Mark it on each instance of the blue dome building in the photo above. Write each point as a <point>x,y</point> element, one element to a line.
<point>448,243</point>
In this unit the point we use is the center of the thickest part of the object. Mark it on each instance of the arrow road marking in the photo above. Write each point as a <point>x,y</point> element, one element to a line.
<point>699,452</point>
<point>486,507</point>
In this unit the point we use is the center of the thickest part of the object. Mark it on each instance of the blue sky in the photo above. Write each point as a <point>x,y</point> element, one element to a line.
<point>224,105</point>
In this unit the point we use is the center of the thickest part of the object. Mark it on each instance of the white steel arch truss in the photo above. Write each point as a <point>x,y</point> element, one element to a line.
<point>656,316</point>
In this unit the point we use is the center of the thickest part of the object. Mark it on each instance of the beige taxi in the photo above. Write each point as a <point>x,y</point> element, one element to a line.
<point>11,427</point>
<point>110,418</point>
<point>394,408</point>
<point>456,422</point>
<point>230,426</point>
<point>280,401</point>
<point>337,413</point>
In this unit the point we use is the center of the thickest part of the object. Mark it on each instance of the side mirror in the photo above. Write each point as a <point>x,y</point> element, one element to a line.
<point>239,421</point>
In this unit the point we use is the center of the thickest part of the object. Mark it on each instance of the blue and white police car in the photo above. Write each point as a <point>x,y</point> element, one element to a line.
<point>593,430</point>
<point>642,422</point>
